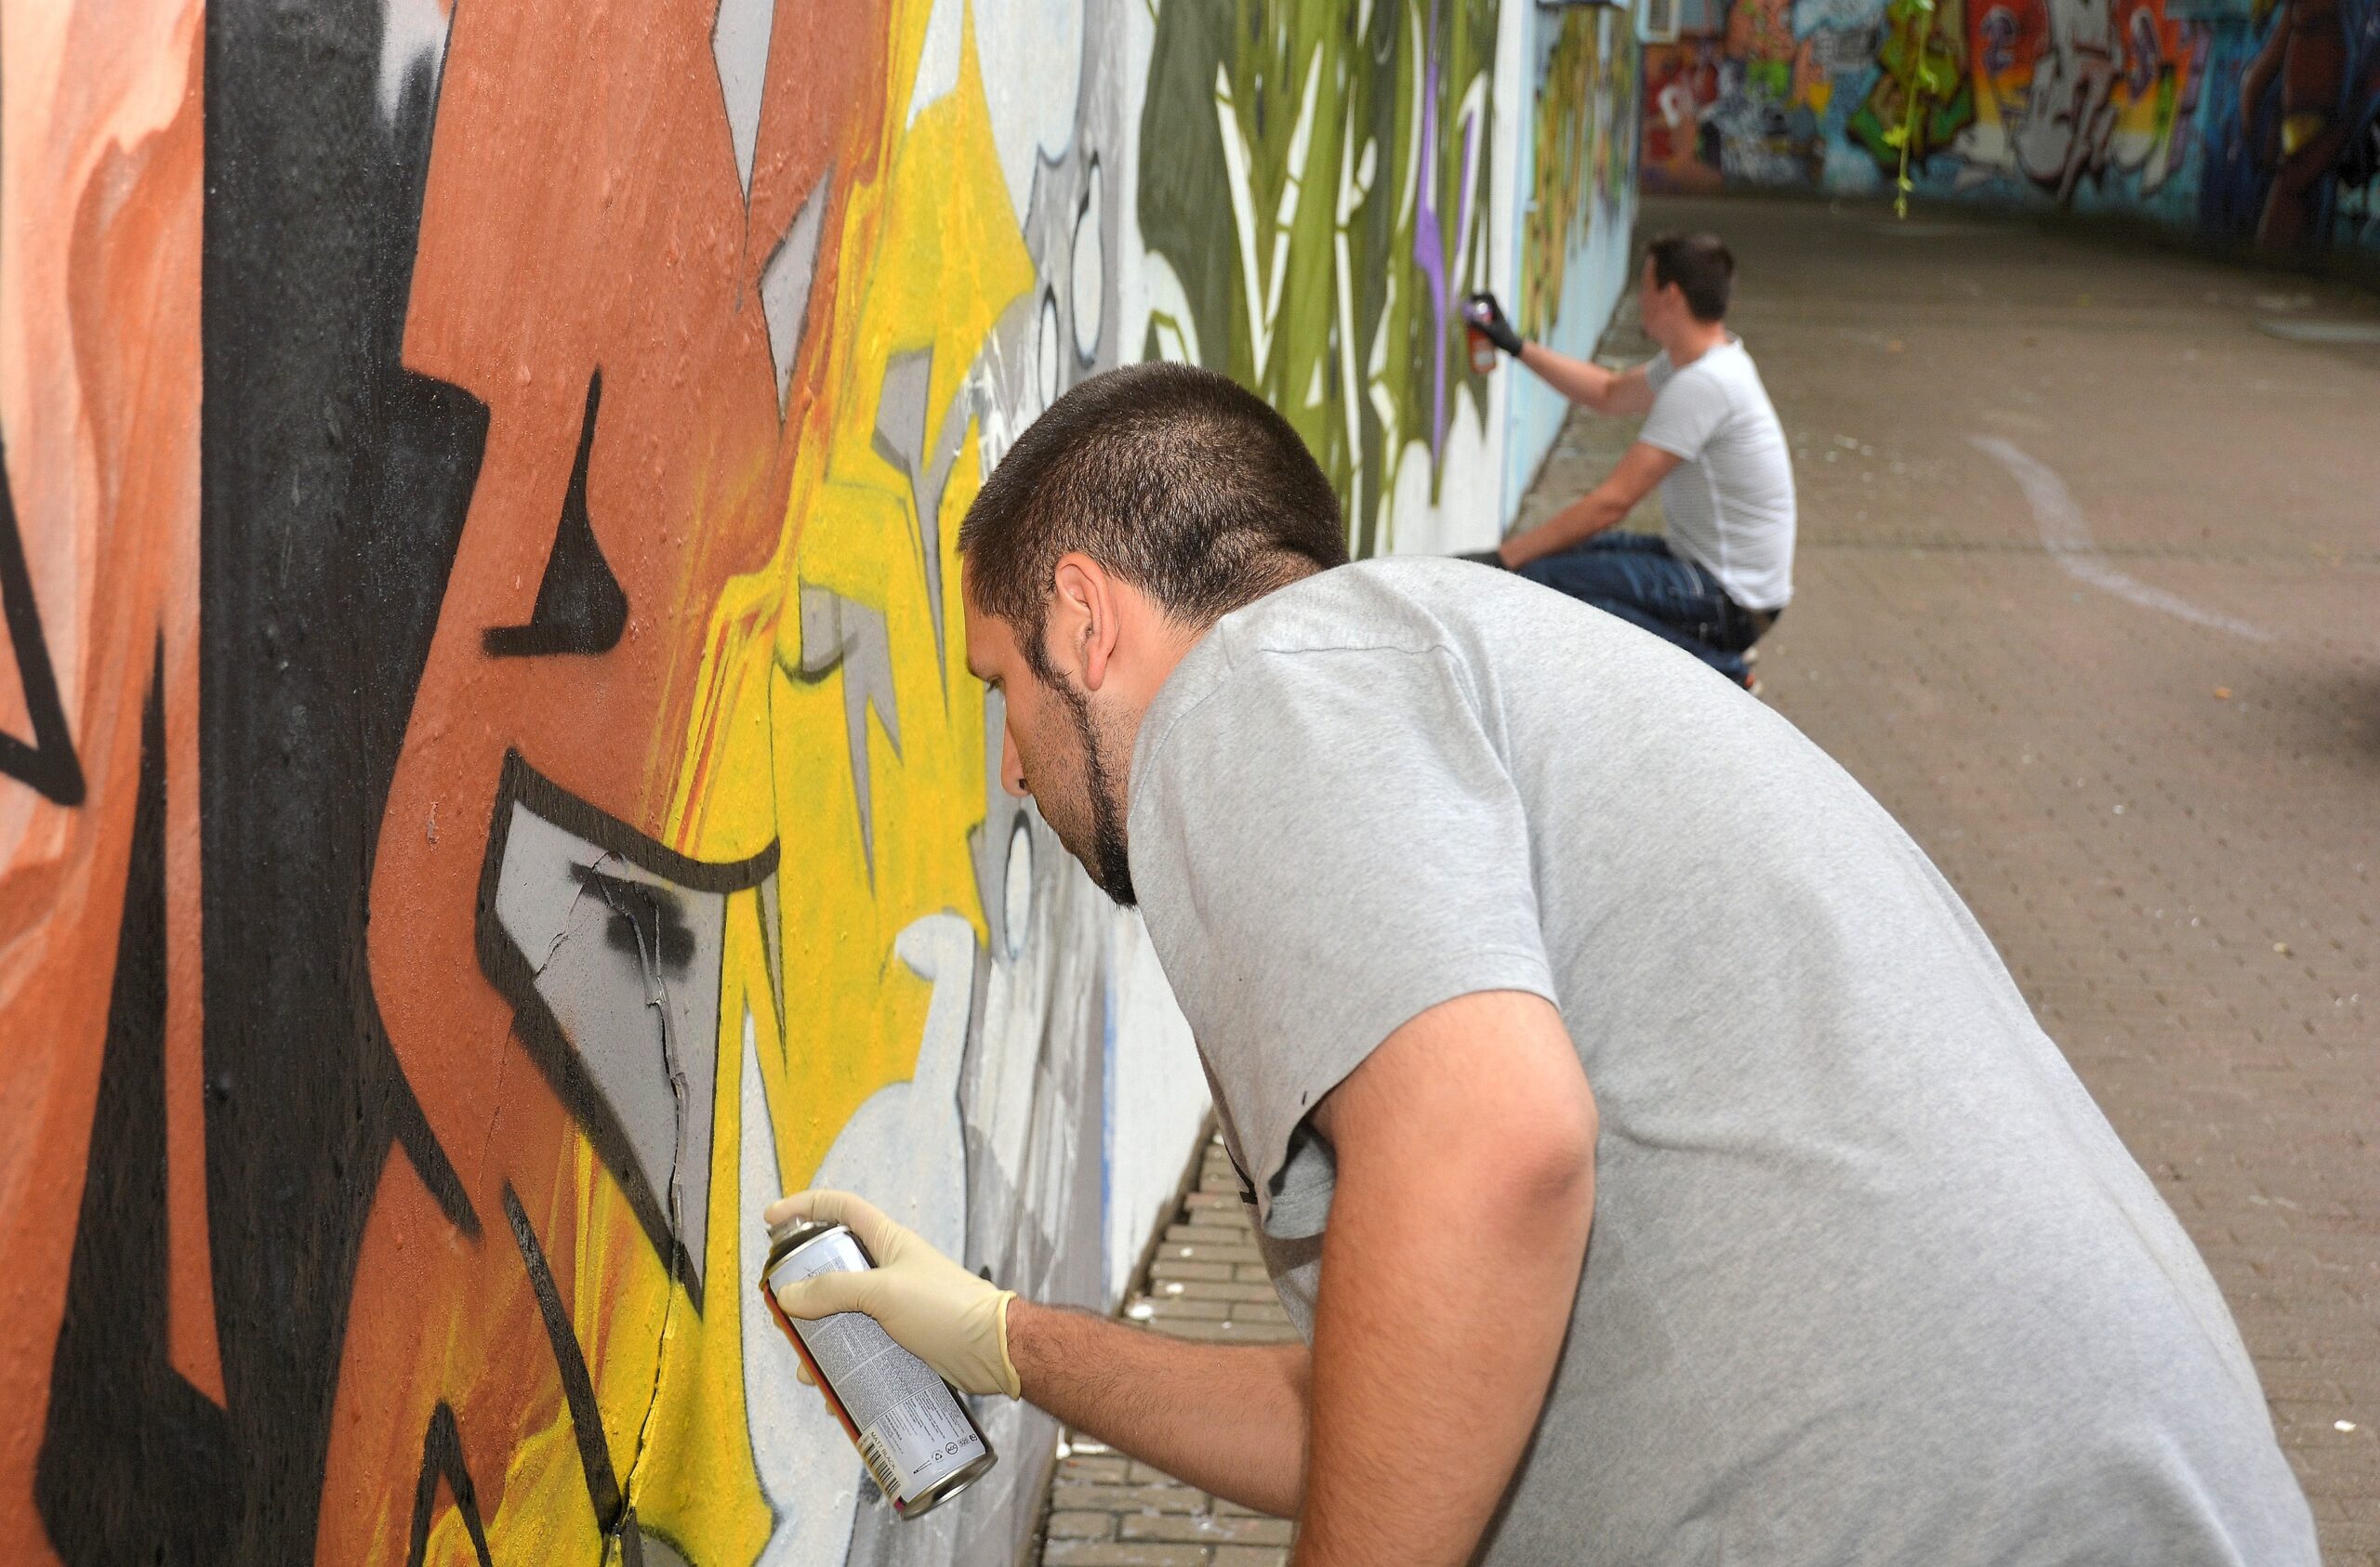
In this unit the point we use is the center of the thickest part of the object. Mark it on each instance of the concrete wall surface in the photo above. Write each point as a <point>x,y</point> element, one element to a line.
<point>2241,123</point>
<point>490,795</point>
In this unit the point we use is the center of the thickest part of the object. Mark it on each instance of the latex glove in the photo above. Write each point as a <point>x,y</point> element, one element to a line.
<point>1482,311</point>
<point>937,1311</point>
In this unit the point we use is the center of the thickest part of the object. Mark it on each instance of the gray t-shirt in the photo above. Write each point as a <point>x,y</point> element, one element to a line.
<point>1729,504</point>
<point>1871,1280</point>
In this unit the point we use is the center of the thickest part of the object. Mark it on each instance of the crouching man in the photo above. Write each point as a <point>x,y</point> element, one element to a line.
<point>1711,442</point>
<point>1654,1155</point>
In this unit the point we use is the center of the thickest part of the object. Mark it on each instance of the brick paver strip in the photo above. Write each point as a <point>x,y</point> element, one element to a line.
<point>1205,1282</point>
<point>2171,830</point>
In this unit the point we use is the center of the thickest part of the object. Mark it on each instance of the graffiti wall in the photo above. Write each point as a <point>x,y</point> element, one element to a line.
<point>1579,203</point>
<point>2247,122</point>
<point>490,792</point>
<point>1313,190</point>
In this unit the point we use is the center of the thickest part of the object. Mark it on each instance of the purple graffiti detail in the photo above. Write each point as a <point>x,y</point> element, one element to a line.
<point>2148,54</point>
<point>1429,242</point>
<point>1999,31</point>
<point>1461,211</point>
<point>1429,246</point>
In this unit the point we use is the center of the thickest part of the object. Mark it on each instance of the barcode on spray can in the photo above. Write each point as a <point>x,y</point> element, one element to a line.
<point>919,1442</point>
<point>880,1467</point>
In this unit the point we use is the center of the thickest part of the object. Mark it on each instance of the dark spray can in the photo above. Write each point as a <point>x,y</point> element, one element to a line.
<point>915,1434</point>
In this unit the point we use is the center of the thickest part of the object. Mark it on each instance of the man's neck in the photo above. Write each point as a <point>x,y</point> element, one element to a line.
<point>1693,340</point>
<point>1166,644</point>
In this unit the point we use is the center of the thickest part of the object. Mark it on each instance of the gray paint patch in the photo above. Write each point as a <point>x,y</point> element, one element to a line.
<point>629,963</point>
<point>413,38</point>
<point>739,45</point>
<point>659,1552</point>
<point>901,409</point>
<point>839,633</point>
<point>901,413</point>
<point>785,285</point>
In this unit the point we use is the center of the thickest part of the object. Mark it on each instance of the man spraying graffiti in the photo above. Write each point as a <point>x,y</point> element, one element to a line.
<point>1710,441</point>
<point>1500,926</point>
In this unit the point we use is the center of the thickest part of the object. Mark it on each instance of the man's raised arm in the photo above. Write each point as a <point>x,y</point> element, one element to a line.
<point>1590,386</point>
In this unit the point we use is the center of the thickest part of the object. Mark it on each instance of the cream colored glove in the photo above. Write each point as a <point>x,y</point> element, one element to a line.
<point>937,1311</point>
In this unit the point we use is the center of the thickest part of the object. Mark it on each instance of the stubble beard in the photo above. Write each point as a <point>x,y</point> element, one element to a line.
<point>1109,861</point>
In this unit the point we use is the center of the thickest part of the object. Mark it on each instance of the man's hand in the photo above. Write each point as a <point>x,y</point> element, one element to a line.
<point>1465,1153</point>
<point>1229,1418</point>
<point>1487,318</point>
<point>937,1311</point>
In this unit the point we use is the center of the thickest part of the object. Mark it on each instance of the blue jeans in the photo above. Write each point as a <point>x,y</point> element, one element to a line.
<point>1635,577</point>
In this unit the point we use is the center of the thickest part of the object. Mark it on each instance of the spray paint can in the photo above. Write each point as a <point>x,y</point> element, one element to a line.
<point>1482,349</point>
<point>914,1432</point>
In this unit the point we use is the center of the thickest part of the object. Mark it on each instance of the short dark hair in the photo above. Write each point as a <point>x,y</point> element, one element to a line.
<point>1701,265</point>
<point>1179,481</point>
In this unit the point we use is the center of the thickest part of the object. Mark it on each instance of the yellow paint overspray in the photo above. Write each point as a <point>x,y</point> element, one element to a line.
<point>931,259</point>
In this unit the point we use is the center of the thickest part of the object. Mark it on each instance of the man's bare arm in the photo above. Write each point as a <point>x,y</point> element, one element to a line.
<point>1466,1154</point>
<point>1604,506</point>
<point>1228,1418</point>
<point>1590,386</point>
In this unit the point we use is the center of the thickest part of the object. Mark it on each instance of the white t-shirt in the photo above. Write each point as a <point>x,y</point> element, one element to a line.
<point>1729,502</point>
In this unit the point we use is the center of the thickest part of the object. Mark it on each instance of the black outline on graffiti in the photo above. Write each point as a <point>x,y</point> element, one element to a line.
<point>540,1033</point>
<point>615,1515</point>
<point>132,1457</point>
<point>581,606</point>
<point>48,764</point>
<point>570,1363</point>
<point>442,1459</point>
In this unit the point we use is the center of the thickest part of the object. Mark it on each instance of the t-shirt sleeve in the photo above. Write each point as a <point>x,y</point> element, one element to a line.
<point>1326,846</point>
<point>1686,412</point>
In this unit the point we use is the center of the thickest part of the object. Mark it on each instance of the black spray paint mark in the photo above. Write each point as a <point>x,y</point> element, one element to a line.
<point>136,1465</point>
<point>581,606</point>
<point>442,1459</point>
<point>334,487</point>
<point>612,1513</point>
<point>648,923</point>
<point>570,1363</point>
<point>48,763</point>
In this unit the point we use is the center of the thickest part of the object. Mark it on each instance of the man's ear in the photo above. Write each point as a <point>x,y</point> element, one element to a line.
<point>1086,623</point>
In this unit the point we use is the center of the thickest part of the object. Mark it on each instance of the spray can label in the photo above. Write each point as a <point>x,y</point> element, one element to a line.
<point>919,1442</point>
<point>1482,349</point>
